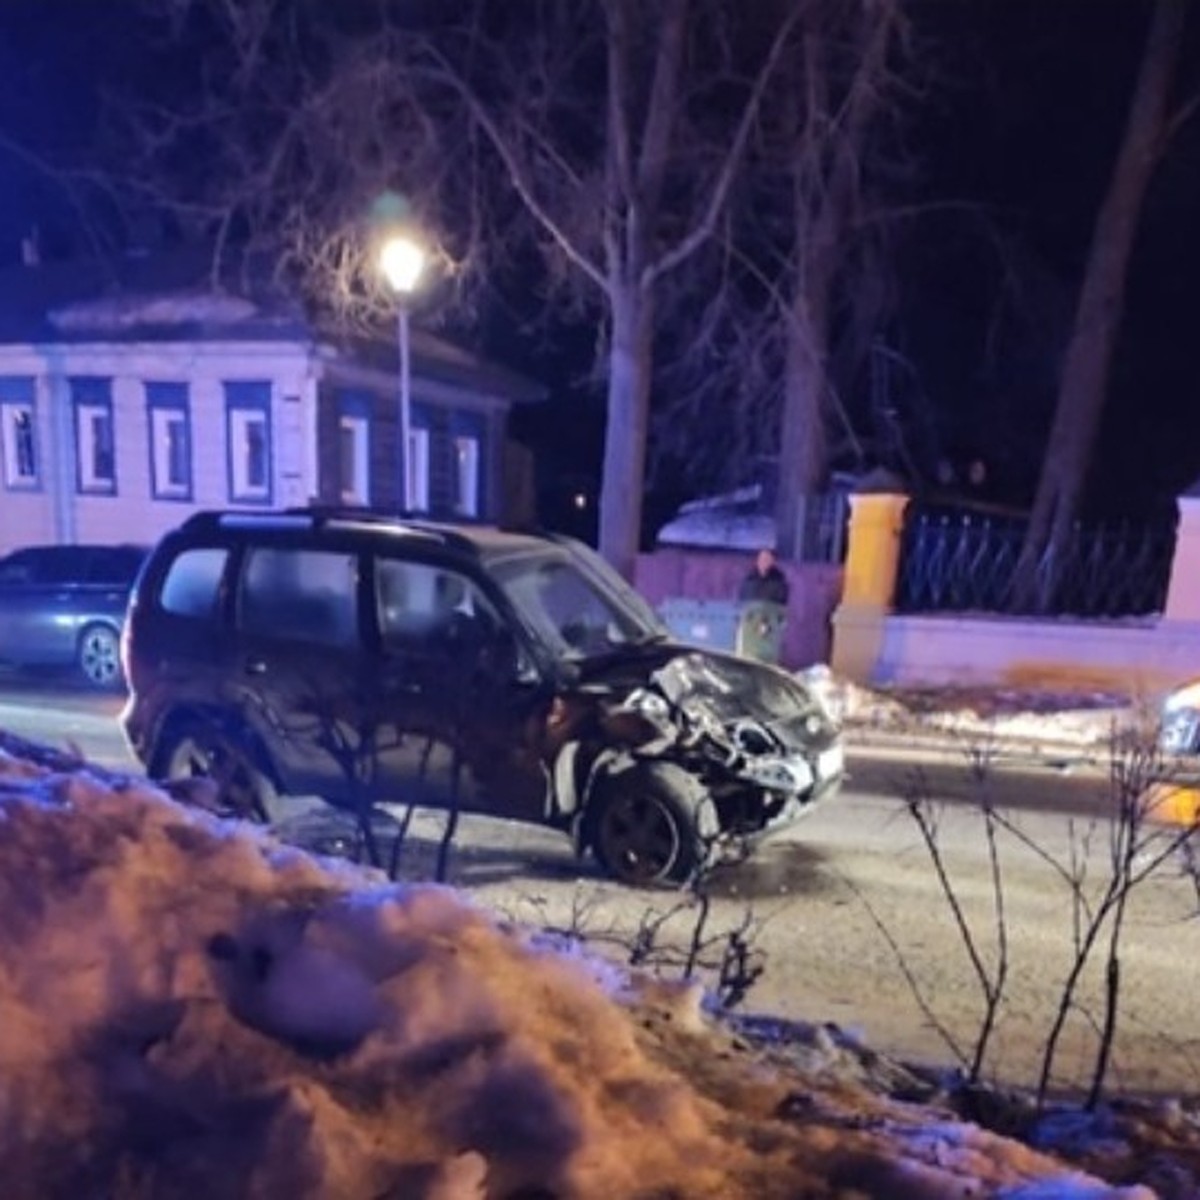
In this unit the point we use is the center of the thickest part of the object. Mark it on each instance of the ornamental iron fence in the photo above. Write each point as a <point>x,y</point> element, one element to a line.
<point>963,562</point>
<point>821,529</point>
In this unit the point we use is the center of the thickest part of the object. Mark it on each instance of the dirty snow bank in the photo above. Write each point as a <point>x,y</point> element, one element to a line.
<point>190,1008</point>
<point>1087,721</point>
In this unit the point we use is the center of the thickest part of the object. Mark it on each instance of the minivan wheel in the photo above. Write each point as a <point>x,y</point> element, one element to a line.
<point>202,751</point>
<point>645,830</point>
<point>99,656</point>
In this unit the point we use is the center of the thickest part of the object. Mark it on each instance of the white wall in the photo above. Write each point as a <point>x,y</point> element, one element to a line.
<point>1139,655</point>
<point>133,513</point>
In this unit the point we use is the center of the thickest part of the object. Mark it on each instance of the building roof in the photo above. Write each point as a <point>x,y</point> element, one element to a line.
<point>172,298</point>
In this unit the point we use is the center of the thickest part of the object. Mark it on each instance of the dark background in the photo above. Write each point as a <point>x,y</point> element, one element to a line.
<point>1015,139</point>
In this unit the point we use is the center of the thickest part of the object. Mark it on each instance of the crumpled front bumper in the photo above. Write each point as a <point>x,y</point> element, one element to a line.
<point>1178,732</point>
<point>817,779</point>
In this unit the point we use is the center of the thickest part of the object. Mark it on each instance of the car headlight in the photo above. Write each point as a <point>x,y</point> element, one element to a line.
<point>751,738</point>
<point>821,691</point>
<point>648,704</point>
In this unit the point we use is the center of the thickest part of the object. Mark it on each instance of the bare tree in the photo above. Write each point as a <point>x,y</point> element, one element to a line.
<point>575,126</point>
<point>798,288</point>
<point>840,89</point>
<point>1084,383</point>
<point>648,199</point>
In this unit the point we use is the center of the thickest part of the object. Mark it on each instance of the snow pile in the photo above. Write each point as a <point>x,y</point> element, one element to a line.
<point>191,1008</point>
<point>1083,721</point>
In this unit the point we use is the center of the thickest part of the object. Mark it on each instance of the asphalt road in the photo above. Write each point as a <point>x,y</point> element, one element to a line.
<point>845,910</point>
<point>56,712</point>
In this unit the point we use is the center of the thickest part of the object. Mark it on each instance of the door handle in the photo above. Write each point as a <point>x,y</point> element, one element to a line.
<point>256,666</point>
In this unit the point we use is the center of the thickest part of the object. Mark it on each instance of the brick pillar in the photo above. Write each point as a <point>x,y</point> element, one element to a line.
<point>868,583</point>
<point>1183,591</point>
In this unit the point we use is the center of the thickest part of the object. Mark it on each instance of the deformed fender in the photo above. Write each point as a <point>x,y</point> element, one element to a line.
<point>616,761</point>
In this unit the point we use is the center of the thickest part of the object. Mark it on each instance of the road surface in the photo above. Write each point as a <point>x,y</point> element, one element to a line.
<point>845,911</point>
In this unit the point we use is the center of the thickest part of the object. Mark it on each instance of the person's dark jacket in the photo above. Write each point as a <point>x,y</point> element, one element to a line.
<point>770,585</point>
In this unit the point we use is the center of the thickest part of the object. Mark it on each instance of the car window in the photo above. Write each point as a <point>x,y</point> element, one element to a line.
<point>300,595</point>
<point>18,567</point>
<point>193,582</point>
<point>118,565</point>
<point>416,602</point>
<point>571,611</point>
<point>47,564</point>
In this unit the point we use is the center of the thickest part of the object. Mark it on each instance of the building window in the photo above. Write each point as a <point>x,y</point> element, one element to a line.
<point>248,441</point>
<point>354,447</point>
<point>95,446</point>
<point>18,433</point>
<point>418,464</point>
<point>466,446</point>
<point>170,441</point>
<point>466,476</point>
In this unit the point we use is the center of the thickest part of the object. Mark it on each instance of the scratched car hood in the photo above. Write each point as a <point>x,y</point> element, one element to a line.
<point>730,688</point>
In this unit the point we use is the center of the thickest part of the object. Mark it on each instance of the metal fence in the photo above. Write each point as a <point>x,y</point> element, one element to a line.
<point>821,529</point>
<point>960,562</point>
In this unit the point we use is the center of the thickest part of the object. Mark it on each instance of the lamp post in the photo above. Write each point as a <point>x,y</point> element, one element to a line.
<point>402,260</point>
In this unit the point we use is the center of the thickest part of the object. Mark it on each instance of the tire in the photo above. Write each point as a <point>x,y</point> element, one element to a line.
<point>646,825</point>
<point>98,656</point>
<point>200,749</point>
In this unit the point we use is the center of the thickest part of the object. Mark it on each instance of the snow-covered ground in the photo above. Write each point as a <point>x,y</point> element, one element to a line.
<point>1085,721</point>
<point>189,1008</point>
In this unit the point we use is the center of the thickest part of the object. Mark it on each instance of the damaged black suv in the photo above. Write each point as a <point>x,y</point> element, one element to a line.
<point>367,659</point>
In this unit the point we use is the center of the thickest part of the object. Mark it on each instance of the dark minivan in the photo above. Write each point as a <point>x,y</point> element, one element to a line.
<point>368,659</point>
<point>64,606</point>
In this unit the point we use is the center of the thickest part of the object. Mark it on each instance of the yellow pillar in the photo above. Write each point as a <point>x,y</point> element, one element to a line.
<point>868,582</point>
<point>1183,591</point>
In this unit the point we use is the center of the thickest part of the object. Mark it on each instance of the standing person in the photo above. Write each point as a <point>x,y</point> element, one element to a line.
<point>765,581</point>
<point>763,595</point>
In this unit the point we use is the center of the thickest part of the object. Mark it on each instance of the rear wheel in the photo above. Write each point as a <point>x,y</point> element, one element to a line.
<point>200,750</point>
<point>646,827</point>
<point>98,656</point>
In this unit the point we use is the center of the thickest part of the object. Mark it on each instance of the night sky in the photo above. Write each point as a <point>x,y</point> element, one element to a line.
<point>1017,135</point>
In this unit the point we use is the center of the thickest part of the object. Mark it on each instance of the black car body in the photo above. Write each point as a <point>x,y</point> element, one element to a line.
<point>64,606</point>
<point>367,659</point>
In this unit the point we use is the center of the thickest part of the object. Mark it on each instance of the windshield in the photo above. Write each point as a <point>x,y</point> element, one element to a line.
<point>574,607</point>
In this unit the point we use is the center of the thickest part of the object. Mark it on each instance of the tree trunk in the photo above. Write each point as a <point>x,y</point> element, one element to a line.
<point>802,438</point>
<point>630,361</point>
<point>1084,383</point>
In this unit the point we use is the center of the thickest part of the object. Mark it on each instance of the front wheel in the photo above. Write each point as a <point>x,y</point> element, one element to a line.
<point>646,828</point>
<point>200,750</point>
<point>98,656</point>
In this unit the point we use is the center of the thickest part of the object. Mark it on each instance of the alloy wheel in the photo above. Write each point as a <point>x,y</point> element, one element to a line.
<point>639,837</point>
<point>100,656</point>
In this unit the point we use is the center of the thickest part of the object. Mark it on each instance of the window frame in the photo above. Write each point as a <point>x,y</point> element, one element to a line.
<point>170,401</point>
<point>18,396</point>
<point>247,402</point>
<point>418,464</point>
<point>468,431</point>
<point>91,399</point>
<point>354,421</point>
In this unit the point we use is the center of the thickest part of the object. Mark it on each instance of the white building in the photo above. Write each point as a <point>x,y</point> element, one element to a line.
<point>128,400</point>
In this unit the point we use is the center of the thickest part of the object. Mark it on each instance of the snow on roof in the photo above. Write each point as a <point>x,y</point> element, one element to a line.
<point>190,1008</point>
<point>733,520</point>
<point>120,313</point>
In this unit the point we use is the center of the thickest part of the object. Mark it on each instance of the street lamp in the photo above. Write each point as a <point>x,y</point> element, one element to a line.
<point>402,260</point>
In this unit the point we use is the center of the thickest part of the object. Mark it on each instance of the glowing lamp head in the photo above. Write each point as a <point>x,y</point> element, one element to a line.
<point>402,261</point>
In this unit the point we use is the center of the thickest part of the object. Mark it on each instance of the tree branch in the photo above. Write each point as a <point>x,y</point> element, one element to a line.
<point>689,244</point>
<point>447,75</point>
